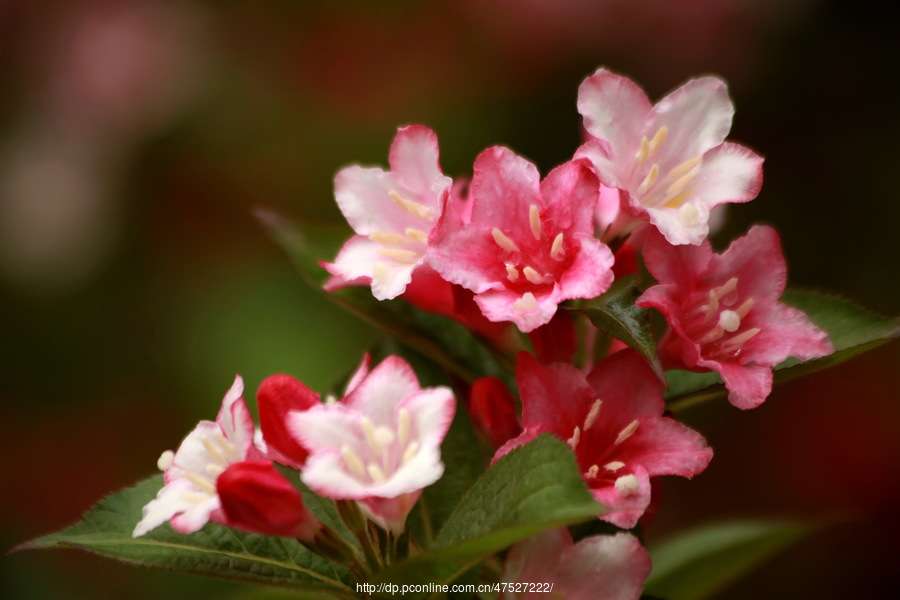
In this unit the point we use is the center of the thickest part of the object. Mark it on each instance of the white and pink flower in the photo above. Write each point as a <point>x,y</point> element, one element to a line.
<point>670,161</point>
<point>612,420</point>
<point>599,567</point>
<point>528,244</point>
<point>392,213</point>
<point>380,445</point>
<point>219,475</point>
<point>724,315</point>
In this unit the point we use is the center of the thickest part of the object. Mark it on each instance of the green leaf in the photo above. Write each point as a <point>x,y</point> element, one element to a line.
<point>533,488</point>
<point>852,330</point>
<point>450,344</point>
<point>615,313</point>
<point>700,562</point>
<point>214,550</point>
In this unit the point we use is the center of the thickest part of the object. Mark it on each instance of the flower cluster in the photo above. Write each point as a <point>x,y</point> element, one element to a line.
<point>507,253</point>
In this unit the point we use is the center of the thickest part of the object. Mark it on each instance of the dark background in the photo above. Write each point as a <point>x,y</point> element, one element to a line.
<point>137,137</point>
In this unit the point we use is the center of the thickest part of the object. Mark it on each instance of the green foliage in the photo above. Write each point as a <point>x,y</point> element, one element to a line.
<point>214,550</point>
<point>535,487</point>
<point>615,313</point>
<point>852,330</point>
<point>694,565</point>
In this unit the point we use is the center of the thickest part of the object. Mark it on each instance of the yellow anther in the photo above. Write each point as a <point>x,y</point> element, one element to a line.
<point>408,257</point>
<point>410,452</point>
<point>387,238</point>
<point>416,235</point>
<point>557,252</point>
<point>352,460</point>
<point>416,209</point>
<point>404,424</point>
<point>533,276</point>
<point>526,303</point>
<point>614,465</point>
<point>576,437</point>
<point>534,219</point>
<point>649,180</point>
<point>627,432</point>
<point>375,473</point>
<point>592,415</point>
<point>503,241</point>
<point>684,167</point>
<point>511,273</point>
<point>658,140</point>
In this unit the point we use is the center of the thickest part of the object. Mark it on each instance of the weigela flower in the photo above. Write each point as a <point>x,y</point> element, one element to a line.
<point>724,315</point>
<point>492,409</point>
<point>612,420</point>
<point>380,445</point>
<point>529,244</point>
<point>669,160</point>
<point>277,396</point>
<point>392,213</point>
<point>217,474</point>
<point>600,567</point>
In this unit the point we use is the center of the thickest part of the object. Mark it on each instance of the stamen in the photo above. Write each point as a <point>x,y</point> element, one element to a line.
<point>383,436</point>
<point>404,424</point>
<point>369,431</point>
<point>684,167</point>
<point>713,305</point>
<point>676,187</point>
<point>214,470</point>
<point>649,180</point>
<point>200,482</point>
<point>375,473</point>
<point>557,252</point>
<point>576,437</point>
<point>416,235</point>
<point>503,241</point>
<point>744,308</point>
<point>726,288</point>
<point>614,465</point>
<point>410,452</point>
<point>402,256</point>
<point>416,209</point>
<point>643,153</point>
<point>212,451</point>
<point>194,497</point>
<point>230,453</point>
<point>353,461</point>
<point>626,485</point>
<point>729,320</point>
<point>711,336</point>
<point>533,276</point>
<point>627,432</point>
<point>592,415</point>
<point>165,460</point>
<point>534,219</point>
<point>511,273</point>
<point>658,139</point>
<point>592,472</point>
<point>526,303</point>
<point>740,339</point>
<point>388,238</point>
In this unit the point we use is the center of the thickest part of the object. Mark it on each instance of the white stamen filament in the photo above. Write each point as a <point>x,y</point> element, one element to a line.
<point>526,303</point>
<point>352,460</point>
<point>626,485</point>
<point>511,273</point>
<point>404,424</point>
<point>503,241</point>
<point>534,219</point>
<point>201,482</point>
<point>576,437</point>
<point>740,339</point>
<point>658,139</point>
<point>416,235</point>
<point>557,252</point>
<point>614,465</point>
<point>649,180</point>
<point>592,415</point>
<point>410,452</point>
<point>375,473</point>
<point>388,238</point>
<point>165,460</point>
<point>729,320</point>
<point>416,209</point>
<point>533,276</point>
<point>627,432</point>
<point>401,256</point>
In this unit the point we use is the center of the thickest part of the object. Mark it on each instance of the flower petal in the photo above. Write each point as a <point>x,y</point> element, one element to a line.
<point>614,110</point>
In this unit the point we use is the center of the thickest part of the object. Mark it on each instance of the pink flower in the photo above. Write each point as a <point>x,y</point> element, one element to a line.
<point>669,160</point>
<point>492,409</point>
<point>380,445</point>
<point>277,396</point>
<point>613,422</point>
<point>392,213</point>
<point>724,315</point>
<point>218,475</point>
<point>529,244</point>
<point>600,567</point>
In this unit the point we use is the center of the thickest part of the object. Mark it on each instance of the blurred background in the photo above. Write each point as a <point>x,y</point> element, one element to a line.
<point>137,137</point>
